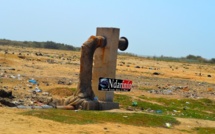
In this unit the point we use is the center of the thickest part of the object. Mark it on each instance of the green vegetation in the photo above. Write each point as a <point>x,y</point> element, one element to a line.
<point>62,91</point>
<point>123,100</point>
<point>52,45</point>
<point>128,54</point>
<point>34,44</point>
<point>155,112</point>
<point>188,59</point>
<point>207,130</point>
<point>89,117</point>
<point>185,108</point>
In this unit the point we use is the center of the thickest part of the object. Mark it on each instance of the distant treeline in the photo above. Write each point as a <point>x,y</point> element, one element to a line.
<point>35,44</point>
<point>190,58</point>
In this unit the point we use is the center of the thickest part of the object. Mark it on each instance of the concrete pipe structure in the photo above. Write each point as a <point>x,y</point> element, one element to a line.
<point>123,44</point>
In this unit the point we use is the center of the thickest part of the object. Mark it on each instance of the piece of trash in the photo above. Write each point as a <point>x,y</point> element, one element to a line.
<point>152,111</point>
<point>24,107</point>
<point>159,111</point>
<point>168,125</point>
<point>125,116</point>
<point>33,81</point>
<point>134,103</point>
<point>167,92</point>
<point>95,98</point>
<point>37,90</point>
<point>46,106</point>
<point>16,102</point>
<point>12,76</point>
<point>187,102</point>
<point>19,77</point>
<point>175,111</point>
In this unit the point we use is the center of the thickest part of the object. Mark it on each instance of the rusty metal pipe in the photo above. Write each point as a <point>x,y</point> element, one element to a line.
<point>85,76</point>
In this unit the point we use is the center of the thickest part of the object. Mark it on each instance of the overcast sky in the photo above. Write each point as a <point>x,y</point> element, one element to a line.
<point>174,28</point>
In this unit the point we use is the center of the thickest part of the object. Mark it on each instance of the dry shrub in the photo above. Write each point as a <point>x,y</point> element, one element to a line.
<point>61,92</point>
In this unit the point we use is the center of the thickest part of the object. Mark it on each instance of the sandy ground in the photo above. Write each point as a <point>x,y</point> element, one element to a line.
<point>11,122</point>
<point>38,67</point>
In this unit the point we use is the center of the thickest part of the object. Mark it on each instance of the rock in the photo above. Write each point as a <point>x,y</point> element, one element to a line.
<point>21,56</point>
<point>7,102</point>
<point>13,69</point>
<point>45,93</point>
<point>156,73</point>
<point>129,108</point>
<point>38,54</point>
<point>5,94</point>
<point>65,81</point>
<point>61,82</point>
<point>46,83</point>
<point>50,61</point>
<point>137,66</point>
<point>209,75</point>
<point>44,99</point>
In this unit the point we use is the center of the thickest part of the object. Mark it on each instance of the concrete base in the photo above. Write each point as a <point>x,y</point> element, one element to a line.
<point>90,105</point>
<point>108,105</point>
<point>99,105</point>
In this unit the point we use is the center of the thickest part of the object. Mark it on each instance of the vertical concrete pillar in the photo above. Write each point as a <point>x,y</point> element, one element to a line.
<point>105,61</point>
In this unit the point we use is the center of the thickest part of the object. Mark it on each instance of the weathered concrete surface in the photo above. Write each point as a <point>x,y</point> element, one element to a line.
<point>105,61</point>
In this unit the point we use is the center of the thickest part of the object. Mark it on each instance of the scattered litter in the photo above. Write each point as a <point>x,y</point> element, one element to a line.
<point>176,111</point>
<point>187,102</point>
<point>24,107</point>
<point>95,98</point>
<point>134,103</point>
<point>17,102</point>
<point>37,90</point>
<point>159,111</point>
<point>12,76</point>
<point>168,125</point>
<point>19,77</point>
<point>34,107</point>
<point>33,81</point>
<point>167,92</point>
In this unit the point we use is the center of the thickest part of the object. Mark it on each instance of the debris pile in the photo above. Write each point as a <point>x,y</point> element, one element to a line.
<point>184,91</point>
<point>26,94</point>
